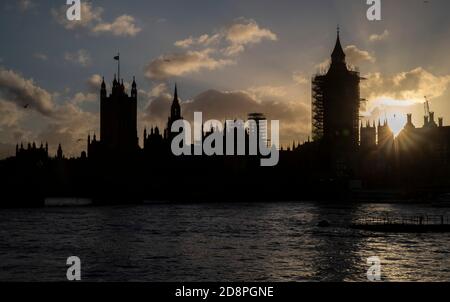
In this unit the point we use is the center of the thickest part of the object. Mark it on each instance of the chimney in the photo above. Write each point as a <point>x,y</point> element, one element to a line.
<point>409,118</point>
<point>441,122</point>
<point>425,120</point>
<point>431,117</point>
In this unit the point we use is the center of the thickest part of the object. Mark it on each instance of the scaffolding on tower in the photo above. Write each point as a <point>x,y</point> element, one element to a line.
<point>317,108</point>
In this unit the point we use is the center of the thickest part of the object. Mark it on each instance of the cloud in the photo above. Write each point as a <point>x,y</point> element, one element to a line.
<point>300,78</point>
<point>323,66</point>
<point>94,82</point>
<point>9,114</point>
<point>267,92</point>
<point>10,130</point>
<point>404,88</point>
<point>70,129</point>
<point>231,39</point>
<point>25,5</point>
<point>24,92</point>
<point>208,51</point>
<point>356,56</point>
<point>93,22</point>
<point>40,56</point>
<point>65,123</point>
<point>123,26</point>
<point>81,57</point>
<point>81,97</point>
<point>171,65</point>
<point>204,40</point>
<point>69,126</point>
<point>186,43</point>
<point>379,37</point>
<point>243,32</point>
<point>160,90</point>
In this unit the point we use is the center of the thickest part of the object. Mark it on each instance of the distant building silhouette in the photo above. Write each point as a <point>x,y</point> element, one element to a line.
<point>429,144</point>
<point>154,140</point>
<point>32,153</point>
<point>368,136</point>
<point>59,152</point>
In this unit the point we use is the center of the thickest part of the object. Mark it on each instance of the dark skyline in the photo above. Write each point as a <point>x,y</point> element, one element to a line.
<point>101,180</point>
<point>344,159</point>
<point>225,58</point>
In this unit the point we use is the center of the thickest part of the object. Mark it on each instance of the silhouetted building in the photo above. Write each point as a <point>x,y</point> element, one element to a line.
<point>118,122</point>
<point>32,153</point>
<point>335,111</point>
<point>59,152</point>
<point>368,136</point>
<point>343,153</point>
<point>385,138</point>
<point>336,103</point>
<point>154,143</point>
<point>429,144</point>
<point>175,115</point>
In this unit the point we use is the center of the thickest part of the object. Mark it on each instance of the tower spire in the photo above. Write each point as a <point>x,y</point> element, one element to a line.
<point>103,88</point>
<point>175,108</point>
<point>134,88</point>
<point>338,54</point>
<point>175,94</point>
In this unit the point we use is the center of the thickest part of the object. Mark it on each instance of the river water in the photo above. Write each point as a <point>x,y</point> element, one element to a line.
<point>216,242</point>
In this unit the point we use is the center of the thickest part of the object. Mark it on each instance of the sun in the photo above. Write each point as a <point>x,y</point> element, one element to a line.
<point>397,122</point>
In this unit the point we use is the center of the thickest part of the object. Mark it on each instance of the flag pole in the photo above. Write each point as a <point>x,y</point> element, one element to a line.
<point>118,67</point>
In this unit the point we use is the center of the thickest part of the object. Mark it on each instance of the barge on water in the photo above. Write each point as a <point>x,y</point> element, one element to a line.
<point>414,224</point>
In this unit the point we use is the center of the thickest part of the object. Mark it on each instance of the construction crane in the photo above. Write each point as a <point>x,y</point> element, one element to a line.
<point>429,115</point>
<point>427,107</point>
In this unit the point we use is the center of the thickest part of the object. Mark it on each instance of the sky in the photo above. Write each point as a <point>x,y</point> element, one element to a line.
<point>228,57</point>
